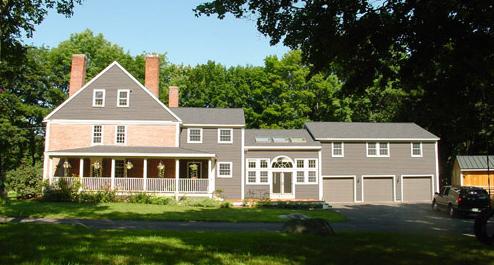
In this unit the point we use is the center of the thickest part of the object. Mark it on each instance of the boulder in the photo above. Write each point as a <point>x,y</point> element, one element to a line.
<point>314,226</point>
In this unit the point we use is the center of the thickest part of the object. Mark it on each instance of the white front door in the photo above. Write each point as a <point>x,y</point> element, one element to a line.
<point>282,185</point>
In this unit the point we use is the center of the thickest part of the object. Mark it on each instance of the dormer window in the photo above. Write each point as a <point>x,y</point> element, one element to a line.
<point>99,98</point>
<point>123,98</point>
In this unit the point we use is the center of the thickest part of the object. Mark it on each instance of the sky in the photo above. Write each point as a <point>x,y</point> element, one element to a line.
<point>162,26</point>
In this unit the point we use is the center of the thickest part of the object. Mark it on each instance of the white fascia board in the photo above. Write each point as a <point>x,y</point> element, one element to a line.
<point>140,122</point>
<point>207,125</point>
<point>376,139</point>
<point>130,154</point>
<point>282,148</point>
<point>476,169</point>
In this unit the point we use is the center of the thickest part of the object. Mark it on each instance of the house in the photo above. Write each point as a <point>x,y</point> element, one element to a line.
<point>114,133</point>
<point>473,171</point>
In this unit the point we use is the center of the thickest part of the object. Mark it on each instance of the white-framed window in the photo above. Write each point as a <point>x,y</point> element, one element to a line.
<point>224,169</point>
<point>99,98</point>
<point>123,98</point>
<point>312,177</point>
<point>337,149</point>
<point>194,135</point>
<point>300,176</point>
<point>121,134</point>
<point>257,171</point>
<point>300,163</point>
<point>225,136</point>
<point>416,149</point>
<point>263,176</point>
<point>312,163</point>
<point>375,149</point>
<point>306,171</point>
<point>97,134</point>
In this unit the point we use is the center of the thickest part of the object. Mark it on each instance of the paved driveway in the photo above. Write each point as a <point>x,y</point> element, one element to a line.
<point>401,218</point>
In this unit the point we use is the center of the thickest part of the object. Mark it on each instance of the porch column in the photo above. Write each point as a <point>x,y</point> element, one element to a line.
<point>145,174</point>
<point>177,176</point>
<point>112,174</point>
<point>210,177</point>
<point>50,171</point>
<point>81,172</point>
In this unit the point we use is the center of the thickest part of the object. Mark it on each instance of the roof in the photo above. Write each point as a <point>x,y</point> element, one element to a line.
<point>368,130</point>
<point>133,150</point>
<point>205,116</point>
<point>251,134</point>
<point>475,162</point>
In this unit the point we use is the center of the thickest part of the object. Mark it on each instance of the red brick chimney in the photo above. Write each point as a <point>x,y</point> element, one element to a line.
<point>152,74</point>
<point>173,96</point>
<point>77,73</point>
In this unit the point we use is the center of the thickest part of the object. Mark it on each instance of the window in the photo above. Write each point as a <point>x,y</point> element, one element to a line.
<point>120,134</point>
<point>312,163</point>
<point>225,136</point>
<point>377,149</point>
<point>251,177</point>
<point>263,139</point>
<point>264,163</point>
<point>257,171</point>
<point>300,163</point>
<point>119,168</point>
<point>306,172</point>
<point>194,135</point>
<point>312,177</point>
<point>225,169</point>
<point>98,98</point>
<point>123,98</point>
<point>298,140</point>
<point>97,134</point>
<point>264,177</point>
<point>300,176</point>
<point>281,140</point>
<point>337,150</point>
<point>416,149</point>
<point>252,164</point>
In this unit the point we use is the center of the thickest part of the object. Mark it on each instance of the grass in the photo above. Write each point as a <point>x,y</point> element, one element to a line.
<point>129,211</point>
<point>63,244</point>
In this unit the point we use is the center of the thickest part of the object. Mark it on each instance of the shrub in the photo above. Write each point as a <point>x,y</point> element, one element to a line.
<point>206,202</point>
<point>62,191</point>
<point>145,198</point>
<point>226,205</point>
<point>290,205</point>
<point>26,181</point>
<point>103,196</point>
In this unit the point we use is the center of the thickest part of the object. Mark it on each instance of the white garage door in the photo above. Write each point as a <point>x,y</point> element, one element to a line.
<point>417,188</point>
<point>378,189</point>
<point>338,189</point>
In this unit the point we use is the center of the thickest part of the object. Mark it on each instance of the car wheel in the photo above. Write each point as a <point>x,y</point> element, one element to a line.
<point>434,206</point>
<point>451,211</point>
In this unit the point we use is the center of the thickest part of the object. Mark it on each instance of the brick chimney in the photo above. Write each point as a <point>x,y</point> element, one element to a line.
<point>152,74</point>
<point>77,73</point>
<point>173,96</point>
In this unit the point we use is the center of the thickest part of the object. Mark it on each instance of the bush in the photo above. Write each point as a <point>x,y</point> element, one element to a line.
<point>62,191</point>
<point>206,202</point>
<point>226,205</point>
<point>26,181</point>
<point>104,196</point>
<point>145,198</point>
<point>290,205</point>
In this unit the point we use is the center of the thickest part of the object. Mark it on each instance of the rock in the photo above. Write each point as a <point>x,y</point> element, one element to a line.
<point>315,226</point>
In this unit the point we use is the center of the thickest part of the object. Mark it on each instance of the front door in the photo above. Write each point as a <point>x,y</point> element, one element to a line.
<point>282,185</point>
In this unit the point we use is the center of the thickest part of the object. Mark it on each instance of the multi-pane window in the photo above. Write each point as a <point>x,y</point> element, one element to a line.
<point>337,149</point>
<point>98,98</point>
<point>257,171</point>
<point>263,163</point>
<point>224,169</point>
<point>252,164</point>
<point>300,163</point>
<point>312,176</point>
<point>416,149</point>
<point>225,136</point>
<point>97,134</point>
<point>378,149</point>
<point>306,171</point>
<point>371,149</point>
<point>383,149</point>
<point>312,163</point>
<point>264,177</point>
<point>300,176</point>
<point>251,176</point>
<point>194,135</point>
<point>123,98</point>
<point>120,134</point>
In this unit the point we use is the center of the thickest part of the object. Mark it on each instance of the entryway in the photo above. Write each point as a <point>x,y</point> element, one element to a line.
<point>282,187</point>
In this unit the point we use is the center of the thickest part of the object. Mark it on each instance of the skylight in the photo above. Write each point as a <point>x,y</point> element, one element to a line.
<point>281,139</point>
<point>263,139</point>
<point>298,140</point>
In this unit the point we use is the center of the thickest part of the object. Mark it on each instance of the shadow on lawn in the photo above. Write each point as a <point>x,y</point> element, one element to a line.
<point>32,243</point>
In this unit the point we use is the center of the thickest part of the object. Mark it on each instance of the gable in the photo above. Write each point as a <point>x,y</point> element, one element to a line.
<point>143,105</point>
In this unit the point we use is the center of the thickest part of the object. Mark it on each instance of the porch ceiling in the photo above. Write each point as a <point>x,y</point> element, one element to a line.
<point>131,151</point>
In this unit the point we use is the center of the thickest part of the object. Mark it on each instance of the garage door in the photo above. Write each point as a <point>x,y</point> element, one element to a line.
<point>338,189</point>
<point>417,188</point>
<point>377,189</point>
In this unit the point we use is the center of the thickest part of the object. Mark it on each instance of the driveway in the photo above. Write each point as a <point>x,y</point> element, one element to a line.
<point>401,218</point>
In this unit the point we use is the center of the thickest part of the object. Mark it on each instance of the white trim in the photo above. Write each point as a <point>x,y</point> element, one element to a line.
<point>94,98</point>
<point>213,125</point>
<point>177,176</point>
<point>354,177</point>
<point>210,182</point>
<point>377,139</point>
<point>231,135</point>
<point>417,175</point>
<point>105,122</point>
<point>129,154</point>
<point>477,169</point>
<point>258,170</point>
<point>188,136</point>
<point>145,174</point>
<point>102,134</point>
<point>112,174</point>
<point>378,149</point>
<point>177,135</point>
<point>284,195</point>
<point>218,167</point>
<point>306,169</point>
<point>242,165</point>
<point>379,176</point>
<point>128,98</point>
<point>342,149</point>
<point>437,167</point>
<point>100,74</point>
<point>421,149</point>
<point>282,147</point>
<point>321,190</point>
<point>45,154</point>
<point>125,135</point>
<point>461,179</point>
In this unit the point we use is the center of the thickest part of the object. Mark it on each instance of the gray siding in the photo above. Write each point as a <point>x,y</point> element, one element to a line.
<point>256,191</point>
<point>224,153</point>
<point>142,105</point>
<point>399,163</point>
<point>307,192</point>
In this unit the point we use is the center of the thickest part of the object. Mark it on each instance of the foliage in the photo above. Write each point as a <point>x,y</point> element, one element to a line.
<point>26,181</point>
<point>226,205</point>
<point>196,202</point>
<point>290,205</point>
<point>62,191</point>
<point>145,198</point>
<point>103,196</point>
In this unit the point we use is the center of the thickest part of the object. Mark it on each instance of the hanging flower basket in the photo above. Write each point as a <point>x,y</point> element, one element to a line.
<point>129,165</point>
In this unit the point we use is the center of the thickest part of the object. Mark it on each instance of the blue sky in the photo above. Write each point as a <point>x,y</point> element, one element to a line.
<point>162,26</point>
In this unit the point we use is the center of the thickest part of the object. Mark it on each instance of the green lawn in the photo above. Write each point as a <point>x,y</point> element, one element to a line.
<point>62,244</point>
<point>129,211</point>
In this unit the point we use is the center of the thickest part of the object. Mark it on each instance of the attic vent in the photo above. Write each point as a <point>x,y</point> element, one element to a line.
<point>281,139</point>
<point>262,140</point>
<point>298,140</point>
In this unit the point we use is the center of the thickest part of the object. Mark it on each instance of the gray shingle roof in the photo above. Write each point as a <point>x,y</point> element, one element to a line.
<point>475,162</point>
<point>112,149</point>
<point>224,116</point>
<point>368,130</point>
<point>251,134</point>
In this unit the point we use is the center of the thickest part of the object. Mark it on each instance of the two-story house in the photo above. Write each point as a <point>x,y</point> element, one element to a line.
<point>113,133</point>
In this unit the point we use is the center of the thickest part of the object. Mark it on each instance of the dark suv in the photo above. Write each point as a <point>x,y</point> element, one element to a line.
<point>461,200</point>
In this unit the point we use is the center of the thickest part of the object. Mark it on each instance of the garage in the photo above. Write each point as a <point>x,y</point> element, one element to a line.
<point>378,189</point>
<point>417,188</point>
<point>339,189</point>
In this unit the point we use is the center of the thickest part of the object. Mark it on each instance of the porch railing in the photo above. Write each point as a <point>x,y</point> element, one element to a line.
<point>69,180</point>
<point>161,184</point>
<point>129,184</point>
<point>93,183</point>
<point>193,185</point>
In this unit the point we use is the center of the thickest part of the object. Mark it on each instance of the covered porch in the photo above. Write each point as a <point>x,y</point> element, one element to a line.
<point>168,171</point>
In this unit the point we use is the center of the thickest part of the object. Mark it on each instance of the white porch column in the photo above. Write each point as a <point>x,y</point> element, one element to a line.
<point>112,174</point>
<point>50,171</point>
<point>145,174</point>
<point>81,172</point>
<point>210,177</point>
<point>177,176</point>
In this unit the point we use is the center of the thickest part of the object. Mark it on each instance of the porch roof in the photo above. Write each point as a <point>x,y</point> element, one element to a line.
<point>131,151</point>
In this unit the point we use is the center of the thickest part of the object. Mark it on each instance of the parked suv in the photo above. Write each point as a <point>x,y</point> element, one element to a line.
<point>461,200</point>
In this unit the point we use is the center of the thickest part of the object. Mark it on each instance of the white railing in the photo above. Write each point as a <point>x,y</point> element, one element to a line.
<point>69,180</point>
<point>96,183</point>
<point>129,184</point>
<point>161,184</point>
<point>193,185</point>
